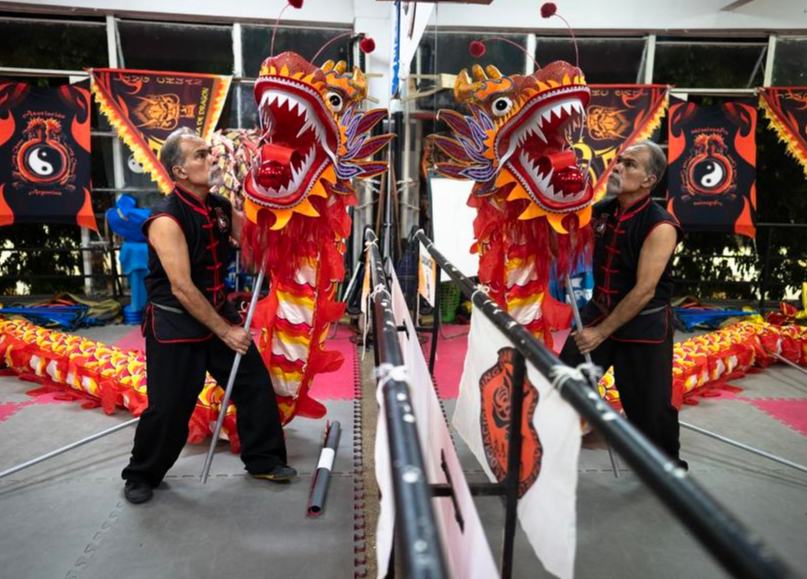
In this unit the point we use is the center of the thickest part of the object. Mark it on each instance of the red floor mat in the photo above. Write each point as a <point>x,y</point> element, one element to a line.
<point>789,411</point>
<point>333,386</point>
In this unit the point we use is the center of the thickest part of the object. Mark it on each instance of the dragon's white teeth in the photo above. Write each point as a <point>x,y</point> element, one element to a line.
<point>539,133</point>
<point>304,128</point>
<point>546,182</point>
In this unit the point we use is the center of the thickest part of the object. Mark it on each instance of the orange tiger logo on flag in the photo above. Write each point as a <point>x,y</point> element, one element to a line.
<point>496,387</point>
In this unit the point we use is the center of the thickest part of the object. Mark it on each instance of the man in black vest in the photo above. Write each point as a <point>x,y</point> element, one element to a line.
<point>191,329</point>
<point>628,323</point>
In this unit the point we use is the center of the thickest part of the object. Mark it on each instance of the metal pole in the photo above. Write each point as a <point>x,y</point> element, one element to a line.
<point>765,272</point>
<point>231,380</point>
<point>435,322</point>
<point>64,449</point>
<point>417,538</point>
<point>593,378</point>
<point>744,446</point>
<point>788,362</point>
<point>511,481</point>
<point>322,474</point>
<point>741,552</point>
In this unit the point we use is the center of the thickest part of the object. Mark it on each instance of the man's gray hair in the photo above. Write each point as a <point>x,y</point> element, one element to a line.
<point>171,151</point>
<point>658,159</point>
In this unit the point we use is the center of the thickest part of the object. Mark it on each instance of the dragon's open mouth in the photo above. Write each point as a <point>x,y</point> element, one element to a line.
<point>299,141</point>
<point>536,146</point>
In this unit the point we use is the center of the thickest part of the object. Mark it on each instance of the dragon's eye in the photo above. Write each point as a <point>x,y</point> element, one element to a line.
<point>501,106</point>
<point>334,101</point>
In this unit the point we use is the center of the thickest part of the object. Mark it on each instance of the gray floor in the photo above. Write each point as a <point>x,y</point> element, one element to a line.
<point>625,531</point>
<point>67,517</point>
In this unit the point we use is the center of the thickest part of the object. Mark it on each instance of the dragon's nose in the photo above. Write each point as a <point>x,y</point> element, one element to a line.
<point>275,165</point>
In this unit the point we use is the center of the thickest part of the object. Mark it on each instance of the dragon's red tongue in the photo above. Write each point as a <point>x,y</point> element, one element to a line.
<point>275,167</point>
<point>567,178</point>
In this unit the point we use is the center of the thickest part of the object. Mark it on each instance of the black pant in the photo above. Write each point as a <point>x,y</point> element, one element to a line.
<point>643,377</point>
<point>176,373</point>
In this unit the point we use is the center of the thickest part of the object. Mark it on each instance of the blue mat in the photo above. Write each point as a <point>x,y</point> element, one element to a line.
<point>706,317</point>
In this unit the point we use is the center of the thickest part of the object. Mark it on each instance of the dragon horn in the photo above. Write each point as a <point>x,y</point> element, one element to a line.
<point>358,75</point>
<point>478,73</point>
<point>340,67</point>
<point>463,86</point>
<point>493,72</point>
<point>327,66</point>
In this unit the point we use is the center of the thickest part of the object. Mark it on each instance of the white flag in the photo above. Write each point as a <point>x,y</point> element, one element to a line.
<point>550,442</point>
<point>466,549</point>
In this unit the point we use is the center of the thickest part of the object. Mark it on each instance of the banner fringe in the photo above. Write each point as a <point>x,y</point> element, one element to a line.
<point>793,143</point>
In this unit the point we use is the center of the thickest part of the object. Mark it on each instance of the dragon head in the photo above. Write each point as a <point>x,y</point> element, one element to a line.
<point>312,136</point>
<point>518,139</point>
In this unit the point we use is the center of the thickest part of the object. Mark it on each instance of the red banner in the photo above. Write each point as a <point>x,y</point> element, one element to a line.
<point>45,154</point>
<point>712,167</point>
<point>786,111</point>
<point>617,117</point>
<point>146,106</point>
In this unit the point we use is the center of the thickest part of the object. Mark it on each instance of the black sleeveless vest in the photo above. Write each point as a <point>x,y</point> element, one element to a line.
<point>618,239</point>
<point>206,226</point>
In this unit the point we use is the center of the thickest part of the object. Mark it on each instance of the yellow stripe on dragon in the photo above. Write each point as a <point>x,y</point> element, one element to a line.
<point>514,139</point>
<point>293,180</point>
<point>117,378</point>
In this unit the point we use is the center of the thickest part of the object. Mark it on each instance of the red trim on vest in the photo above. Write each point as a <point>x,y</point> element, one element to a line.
<point>147,224</point>
<point>216,266</point>
<point>175,340</point>
<point>640,341</point>
<point>611,249</point>
<point>191,200</point>
<point>634,208</point>
<point>675,226</point>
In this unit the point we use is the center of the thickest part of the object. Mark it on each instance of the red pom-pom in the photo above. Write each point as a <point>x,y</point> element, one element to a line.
<point>367,45</point>
<point>477,48</point>
<point>296,3</point>
<point>548,9</point>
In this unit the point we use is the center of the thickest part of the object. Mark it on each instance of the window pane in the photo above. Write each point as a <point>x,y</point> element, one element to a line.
<point>603,60</point>
<point>177,47</point>
<point>306,42</point>
<point>27,44</point>
<point>709,65</point>
<point>451,54</point>
<point>101,158</point>
<point>790,62</point>
<point>242,104</point>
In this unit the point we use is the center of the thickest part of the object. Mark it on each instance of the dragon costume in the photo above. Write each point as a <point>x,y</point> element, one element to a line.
<point>313,140</point>
<point>533,201</point>
<point>293,181</point>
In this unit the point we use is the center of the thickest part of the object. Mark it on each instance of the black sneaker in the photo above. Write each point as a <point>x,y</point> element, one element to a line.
<point>278,473</point>
<point>137,492</point>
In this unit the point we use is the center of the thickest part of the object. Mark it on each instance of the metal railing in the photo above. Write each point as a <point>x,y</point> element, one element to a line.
<point>417,537</point>
<point>740,551</point>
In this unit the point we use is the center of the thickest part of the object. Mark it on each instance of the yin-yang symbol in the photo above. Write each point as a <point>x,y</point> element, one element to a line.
<point>710,174</point>
<point>45,162</point>
<point>134,165</point>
